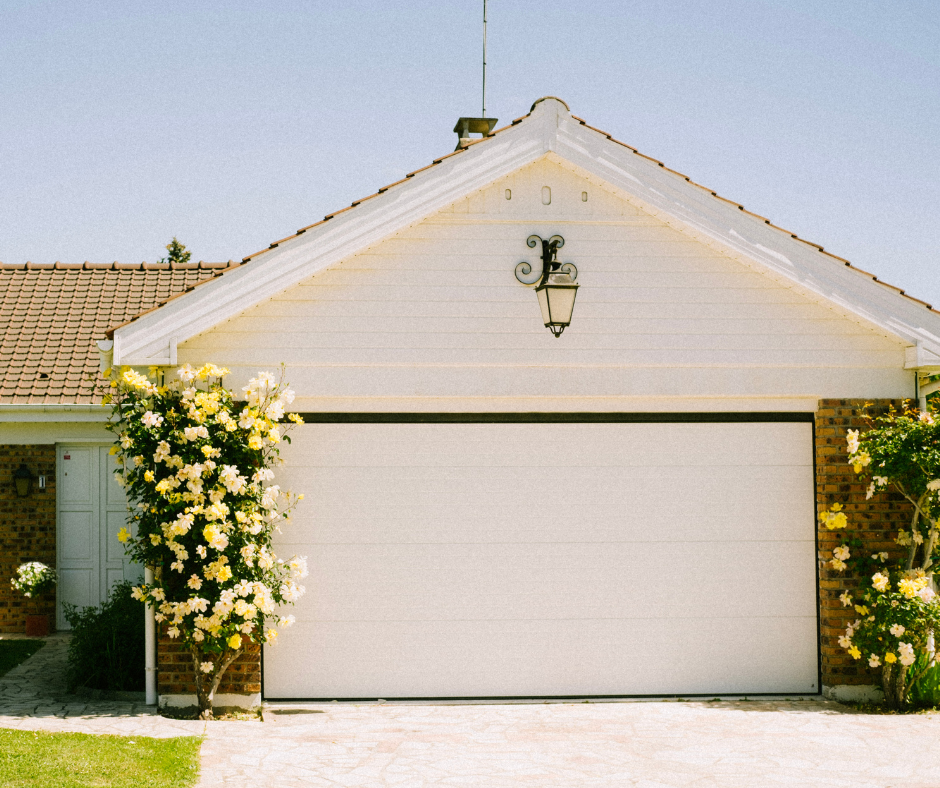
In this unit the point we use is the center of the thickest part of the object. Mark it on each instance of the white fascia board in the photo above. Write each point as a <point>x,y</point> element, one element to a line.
<point>54,412</point>
<point>152,338</point>
<point>693,210</point>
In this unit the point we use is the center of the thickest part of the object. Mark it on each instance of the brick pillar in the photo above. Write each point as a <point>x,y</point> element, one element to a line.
<point>175,681</point>
<point>27,531</point>
<point>875,521</point>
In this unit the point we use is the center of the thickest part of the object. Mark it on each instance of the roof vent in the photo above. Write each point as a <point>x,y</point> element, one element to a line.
<point>467,126</point>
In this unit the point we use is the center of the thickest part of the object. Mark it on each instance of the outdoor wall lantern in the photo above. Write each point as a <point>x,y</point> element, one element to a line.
<point>556,288</point>
<point>23,480</point>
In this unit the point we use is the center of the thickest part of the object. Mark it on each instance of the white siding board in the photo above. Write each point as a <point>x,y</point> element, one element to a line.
<point>401,280</point>
<point>572,358</point>
<point>353,384</point>
<point>501,293</point>
<point>787,316</point>
<point>492,263</point>
<point>597,334</point>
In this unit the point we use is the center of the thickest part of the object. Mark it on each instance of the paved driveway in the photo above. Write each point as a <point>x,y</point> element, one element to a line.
<point>658,744</point>
<point>648,744</point>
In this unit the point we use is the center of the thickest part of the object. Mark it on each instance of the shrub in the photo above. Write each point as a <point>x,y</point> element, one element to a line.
<point>897,606</point>
<point>107,647</point>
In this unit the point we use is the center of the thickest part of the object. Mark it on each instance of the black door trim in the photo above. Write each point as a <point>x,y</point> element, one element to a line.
<point>554,417</point>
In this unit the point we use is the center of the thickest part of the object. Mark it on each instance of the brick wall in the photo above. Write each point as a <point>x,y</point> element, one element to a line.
<point>875,521</point>
<point>175,670</point>
<point>27,531</point>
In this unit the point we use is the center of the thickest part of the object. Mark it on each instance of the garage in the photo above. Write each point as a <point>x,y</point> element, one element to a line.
<point>505,499</point>
<point>533,555</point>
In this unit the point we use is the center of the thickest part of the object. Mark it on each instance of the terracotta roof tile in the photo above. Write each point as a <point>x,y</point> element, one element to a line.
<point>52,315</point>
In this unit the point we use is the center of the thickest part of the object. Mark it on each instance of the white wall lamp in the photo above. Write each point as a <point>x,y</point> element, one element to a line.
<point>555,285</point>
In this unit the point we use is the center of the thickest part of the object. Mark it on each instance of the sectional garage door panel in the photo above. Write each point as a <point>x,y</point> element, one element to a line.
<point>550,559</point>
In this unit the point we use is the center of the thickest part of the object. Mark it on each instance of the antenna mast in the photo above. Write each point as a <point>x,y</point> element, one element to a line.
<point>484,58</point>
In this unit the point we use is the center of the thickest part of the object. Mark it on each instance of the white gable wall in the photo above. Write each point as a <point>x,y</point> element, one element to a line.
<point>433,319</point>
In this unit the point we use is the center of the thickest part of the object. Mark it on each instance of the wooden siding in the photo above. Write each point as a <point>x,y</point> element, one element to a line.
<point>434,319</point>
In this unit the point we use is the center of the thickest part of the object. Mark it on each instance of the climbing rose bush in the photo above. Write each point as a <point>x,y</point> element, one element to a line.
<point>897,607</point>
<point>196,465</point>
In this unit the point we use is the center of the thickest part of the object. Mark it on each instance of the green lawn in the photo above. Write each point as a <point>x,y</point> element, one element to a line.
<point>13,652</point>
<point>30,759</point>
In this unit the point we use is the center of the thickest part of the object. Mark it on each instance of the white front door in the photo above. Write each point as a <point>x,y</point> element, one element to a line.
<point>92,508</point>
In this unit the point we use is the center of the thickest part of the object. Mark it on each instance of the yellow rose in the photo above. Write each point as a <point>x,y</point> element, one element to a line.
<point>123,535</point>
<point>856,653</point>
<point>148,476</point>
<point>235,641</point>
<point>890,658</point>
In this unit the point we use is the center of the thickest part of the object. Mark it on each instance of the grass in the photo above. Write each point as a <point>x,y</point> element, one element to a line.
<point>13,652</point>
<point>36,759</point>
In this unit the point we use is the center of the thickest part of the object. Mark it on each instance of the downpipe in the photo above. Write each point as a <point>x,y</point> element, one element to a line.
<point>150,646</point>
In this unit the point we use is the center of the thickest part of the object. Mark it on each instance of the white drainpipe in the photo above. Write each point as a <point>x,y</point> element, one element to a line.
<point>150,647</point>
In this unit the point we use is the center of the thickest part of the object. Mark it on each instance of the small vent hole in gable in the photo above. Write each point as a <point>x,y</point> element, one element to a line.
<point>546,195</point>
<point>583,196</point>
<point>508,194</point>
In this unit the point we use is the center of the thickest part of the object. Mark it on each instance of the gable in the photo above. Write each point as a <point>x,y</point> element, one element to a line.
<point>433,318</point>
<point>549,129</point>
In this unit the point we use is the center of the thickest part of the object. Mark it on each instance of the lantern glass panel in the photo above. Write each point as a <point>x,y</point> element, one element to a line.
<point>543,305</point>
<point>561,304</point>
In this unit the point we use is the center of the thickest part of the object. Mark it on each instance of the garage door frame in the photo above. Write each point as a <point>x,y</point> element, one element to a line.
<point>584,418</point>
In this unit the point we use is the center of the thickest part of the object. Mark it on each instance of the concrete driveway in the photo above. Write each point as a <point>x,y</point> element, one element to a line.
<point>648,744</point>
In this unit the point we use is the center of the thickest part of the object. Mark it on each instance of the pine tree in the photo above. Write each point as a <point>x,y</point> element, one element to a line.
<point>177,252</point>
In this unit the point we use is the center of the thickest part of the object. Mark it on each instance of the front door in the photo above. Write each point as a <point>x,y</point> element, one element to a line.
<point>92,508</point>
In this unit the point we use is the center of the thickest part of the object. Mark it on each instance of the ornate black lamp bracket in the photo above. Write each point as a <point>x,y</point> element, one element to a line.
<point>550,262</point>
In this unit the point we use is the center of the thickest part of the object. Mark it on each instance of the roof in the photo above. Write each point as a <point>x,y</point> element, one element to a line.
<point>548,129</point>
<point>51,316</point>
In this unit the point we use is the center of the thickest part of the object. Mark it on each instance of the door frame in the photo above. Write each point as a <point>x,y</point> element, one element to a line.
<point>587,417</point>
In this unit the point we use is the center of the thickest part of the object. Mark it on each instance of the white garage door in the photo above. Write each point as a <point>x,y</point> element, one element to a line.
<point>550,559</point>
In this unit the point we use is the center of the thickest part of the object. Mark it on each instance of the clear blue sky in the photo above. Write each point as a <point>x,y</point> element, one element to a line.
<point>231,124</point>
